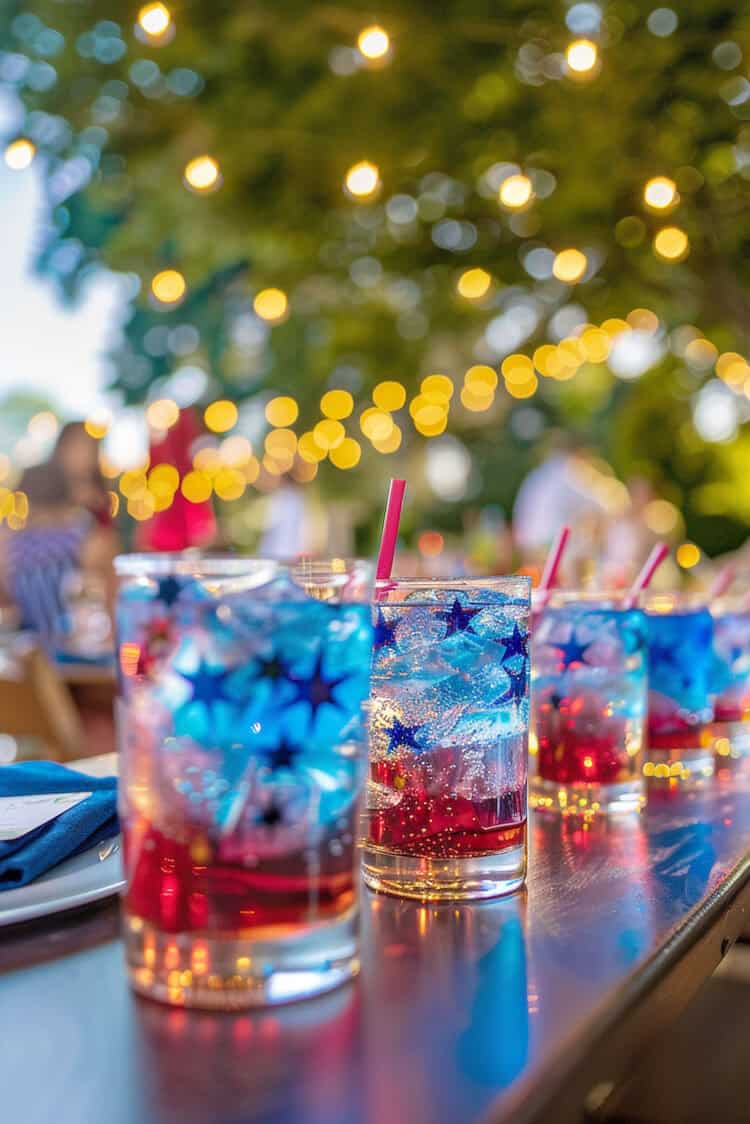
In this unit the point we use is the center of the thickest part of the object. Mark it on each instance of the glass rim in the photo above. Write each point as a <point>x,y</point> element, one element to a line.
<point>139,565</point>
<point>613,599</point>
<point>519,583</point>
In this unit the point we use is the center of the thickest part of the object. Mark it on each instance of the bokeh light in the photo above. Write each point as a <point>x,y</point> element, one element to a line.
<point>474,284</point>
<point>347,454</point>
<point>168,286</point>
<point>688,555</point>
<point>329,434</point>
<point>282,411</point>
<point>569,265</point>
<point>202,174</point>
<point>481,376</point>
<point>154,20</point>
<point>581,56</point>
<point>671,243</point>
<point>389,395</point>
<point>19,154</point>
<point>373,43</point>
<point>196,486</point>
<point>516,192</point>
<point>362,180</point>
<point>309,449</point>
<point>337,404</point>
<point>376,424</point>
<point>440,385</point>
<point>162,414</point>
<point>271,305</point>
<point>220,415</point>
<point>660,193</point>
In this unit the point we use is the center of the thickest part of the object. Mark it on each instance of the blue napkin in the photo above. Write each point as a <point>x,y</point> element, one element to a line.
<point>94,819</point>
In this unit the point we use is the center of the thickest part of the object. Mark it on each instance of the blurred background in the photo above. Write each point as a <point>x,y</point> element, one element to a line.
<point>270,254</point>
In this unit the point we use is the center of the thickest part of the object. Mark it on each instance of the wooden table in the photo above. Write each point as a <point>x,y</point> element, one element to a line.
<point>522,1009</point>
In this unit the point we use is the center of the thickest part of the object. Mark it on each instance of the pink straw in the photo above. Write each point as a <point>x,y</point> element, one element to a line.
<point>552,565</point>
<point>389,536</point>
<point>649,568</point>
<point>723,580</point>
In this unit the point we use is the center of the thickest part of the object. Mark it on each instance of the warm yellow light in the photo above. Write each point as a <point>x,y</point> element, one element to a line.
<point>431,429</point>
<point>516,192</point>
<point>97,424</point>
<point>362,180</point>
<point>376,424</point>
<point>336,404</point>
<point>481,376</point>
<point>701,353</point>
<point>202,174</point>
<point>163,480</point>
<point>390,443</point>
<point>474,284</point>
<point>207,460</point>
<point>581,56</point>
<point>477,398</point>
<point>196,487</point>
<point>114,504</point>
<point>373,42</point>
<point>428,409</point>
<point>688,555</point>
<point>569,265</point>
<point>347,454</point>
<point>660,193</point>
<point>661,517</point>
<point>544,357</point>
<point>154,19</point>
<point>132,483</point>
<point>235,451</point>
<point>168,286</point>
<point>281,443</point>
<point>220,416</point>
<point>329,434</point>
<point>596,345</point>
<point>671,243</point>
<point>251,470</point>
<point>389,395</point>
<point>517,369</point>
<point>615,326</point>
<point>19,154</point>
<point>523,389</point>
<point>141,506</point>
<point>162,414</point>
<point>309,449</point>
<point>732,368</point>
<point>439,385</point>
<point>282,411</point>
<point>229,484</point>
<point>272,305</point>
<point>4,466</point>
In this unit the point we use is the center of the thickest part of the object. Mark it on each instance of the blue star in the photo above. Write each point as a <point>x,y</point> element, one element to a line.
<point>572,651</point>
<point>402,736</point>
<point>317,690</point>
<point>169,590</point>
<point>457,619</point>
<point>282,756</point>
<point>515,645</point>
<point>661,653</point>
<point>384,633</point>
<point>516,691</point>
<point>208,685</point>
<point>272,668</point>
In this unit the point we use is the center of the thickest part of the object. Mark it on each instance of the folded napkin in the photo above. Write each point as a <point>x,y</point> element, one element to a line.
<point>94,819</point>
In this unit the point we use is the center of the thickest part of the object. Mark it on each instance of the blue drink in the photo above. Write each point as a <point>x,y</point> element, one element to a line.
<point>446,799</point>
<point>242,736</point>
<point>732,681</point>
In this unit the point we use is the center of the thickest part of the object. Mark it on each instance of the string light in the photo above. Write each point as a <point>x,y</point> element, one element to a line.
<point>329,434</point>
<point>309,449</point>
<point>474,284</point>
<point>516,192</point>
<point>477,398</point>
<point>202,174</point>
<point>282,411</point>
<point>517,369</point>
<point>196,487</point>
<point>235,451</point>
<point>687,555</point>
<point>281,443</point>
<point>671,243</point>
<point>168,286</point>
<point>481,376</point>
<point>97,424</point>
<point>363,180</point>
<point>581,56</point>
<point>373,43</point>
<point>229,484</point>
<point>154,20</point>
<point>376,424</point>
<point>271,305</point>
<point>19,154</point>
<point>337,404</point>
<point>389,444</point>
<point>389,395</point>
<point>437,385</point>
<point>162,414</point>
<point>660,193</point>
<point>220,416</point>
<point>569,266</point>
<point>347,454</point>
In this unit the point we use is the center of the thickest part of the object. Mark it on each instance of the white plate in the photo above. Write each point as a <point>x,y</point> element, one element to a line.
<point>93,874</point>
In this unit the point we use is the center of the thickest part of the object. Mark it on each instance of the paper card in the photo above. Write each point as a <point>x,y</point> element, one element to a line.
<point>19,814</point>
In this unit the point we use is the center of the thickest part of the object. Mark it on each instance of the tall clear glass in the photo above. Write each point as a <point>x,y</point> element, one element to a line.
<point>240,723</point>
<point>449,715</point>
<point>731,726</point>
<point>589,694</point>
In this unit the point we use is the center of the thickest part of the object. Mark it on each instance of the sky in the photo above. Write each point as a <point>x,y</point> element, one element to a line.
<point>45,346</point>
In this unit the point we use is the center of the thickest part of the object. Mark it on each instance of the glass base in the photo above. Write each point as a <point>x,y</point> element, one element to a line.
<point>234,973</point>
<point>679,764</point>
<point>431,879</point>
<point>582,798</point>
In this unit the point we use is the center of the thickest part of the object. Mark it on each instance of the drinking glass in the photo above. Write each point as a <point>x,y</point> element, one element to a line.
<point>731,726</point>
<point>449,712</point>
<point>240,721</point>
<point>681,685</point>
<point>589,694</point>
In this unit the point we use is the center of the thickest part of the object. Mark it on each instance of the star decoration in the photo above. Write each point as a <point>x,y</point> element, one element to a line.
<point>282,756</point>
<point>400,736</point>
<point>271,816</point>
<point>273,668</point>
<point>457,619</point>
<point>517,644</point>
<point>169,590</point>
<point>208,684</point>
<point>516,691</point>
<point>384,633</point>
<point>572,651</point>
<point>316,689</point>
<point>661,653</point>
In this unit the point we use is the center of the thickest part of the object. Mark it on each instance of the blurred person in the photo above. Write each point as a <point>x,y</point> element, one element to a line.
<point>76,454</point>
<point>59,540</point>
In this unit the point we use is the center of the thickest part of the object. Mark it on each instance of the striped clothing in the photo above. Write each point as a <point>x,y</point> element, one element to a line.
<point>38,561</point>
